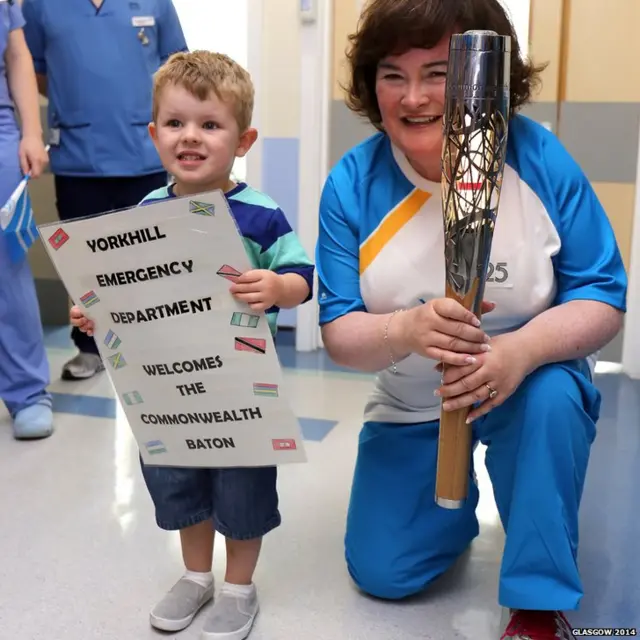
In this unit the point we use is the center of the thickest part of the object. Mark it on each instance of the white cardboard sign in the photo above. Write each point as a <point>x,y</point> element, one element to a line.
<point>196,371</point>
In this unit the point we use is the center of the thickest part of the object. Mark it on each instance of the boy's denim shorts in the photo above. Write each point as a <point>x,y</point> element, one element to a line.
<point>241,502</point>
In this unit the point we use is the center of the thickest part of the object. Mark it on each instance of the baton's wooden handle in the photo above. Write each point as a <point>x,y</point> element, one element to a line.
<point>454,441</point>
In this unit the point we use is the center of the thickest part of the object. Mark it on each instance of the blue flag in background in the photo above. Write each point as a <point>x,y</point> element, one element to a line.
<point>17,222</point>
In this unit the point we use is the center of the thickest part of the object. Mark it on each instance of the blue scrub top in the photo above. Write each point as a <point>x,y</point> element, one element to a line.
<point>10,19</point>
<point>99,65</point>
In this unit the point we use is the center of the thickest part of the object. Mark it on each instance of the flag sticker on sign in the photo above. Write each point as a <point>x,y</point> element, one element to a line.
<point>88,299</point>
<point>239,319</point>
<point>255,345</point>
<point>202,208</point>
<point>264,389</point>
<point>58,238</point>
<point>155,446</point>
<point>228,272</point>
<point>284,444</point>
<point>117,361</point>
<point>112,341</point>
<point>132,398</point>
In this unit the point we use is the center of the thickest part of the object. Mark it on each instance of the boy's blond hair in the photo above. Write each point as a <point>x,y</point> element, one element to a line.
<point>200,73</point>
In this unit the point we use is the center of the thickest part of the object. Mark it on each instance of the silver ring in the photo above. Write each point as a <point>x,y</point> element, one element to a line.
<point>492,392</point>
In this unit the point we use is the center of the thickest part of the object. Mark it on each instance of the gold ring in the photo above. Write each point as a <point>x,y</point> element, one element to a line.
<point>492,392</point>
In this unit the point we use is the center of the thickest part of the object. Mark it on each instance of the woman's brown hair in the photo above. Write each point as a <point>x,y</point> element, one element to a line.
<point>392,27</point>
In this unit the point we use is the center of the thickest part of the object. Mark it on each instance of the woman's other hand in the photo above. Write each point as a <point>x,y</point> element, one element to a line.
<point>502,370</point>
<point>445,331</point>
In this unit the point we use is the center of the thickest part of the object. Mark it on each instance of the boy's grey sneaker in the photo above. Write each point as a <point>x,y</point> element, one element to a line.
<point>178,608</point>
<point>232,616</point>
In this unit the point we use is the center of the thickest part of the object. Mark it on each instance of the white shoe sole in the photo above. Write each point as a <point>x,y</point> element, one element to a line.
<point>81,375</point>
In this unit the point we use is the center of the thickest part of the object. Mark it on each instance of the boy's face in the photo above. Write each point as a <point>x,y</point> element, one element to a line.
<point>198,140</point>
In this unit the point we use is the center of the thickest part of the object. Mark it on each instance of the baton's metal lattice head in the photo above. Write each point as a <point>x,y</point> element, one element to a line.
<point>473,166</point>
<point>476,124</point>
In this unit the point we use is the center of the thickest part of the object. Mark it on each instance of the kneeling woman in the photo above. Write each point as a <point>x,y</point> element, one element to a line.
<point>558,289</point>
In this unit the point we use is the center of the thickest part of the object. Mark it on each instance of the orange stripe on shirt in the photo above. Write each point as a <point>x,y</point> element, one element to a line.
<point>393,222</point>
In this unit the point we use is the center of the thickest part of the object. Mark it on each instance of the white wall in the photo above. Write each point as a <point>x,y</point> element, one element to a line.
<point>519,11</point>
<point>218,25</point>
<point>315,99</point>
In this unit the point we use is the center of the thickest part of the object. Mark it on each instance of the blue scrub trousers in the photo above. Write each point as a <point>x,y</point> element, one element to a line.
<point>24,369</point>
<point>398,540</point>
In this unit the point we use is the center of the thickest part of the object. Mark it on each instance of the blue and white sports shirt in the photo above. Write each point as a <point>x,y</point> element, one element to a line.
<point>381,247</point>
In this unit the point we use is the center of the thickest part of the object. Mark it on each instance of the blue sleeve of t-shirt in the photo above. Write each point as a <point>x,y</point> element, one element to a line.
<point>337,250</point>
<point>589,265</point>
<point>34,34</point>
<point>170,34</point>
<point>282,252</point>
<point>16,19</point>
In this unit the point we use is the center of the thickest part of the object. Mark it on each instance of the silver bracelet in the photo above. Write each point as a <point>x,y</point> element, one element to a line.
<point>394,367</point>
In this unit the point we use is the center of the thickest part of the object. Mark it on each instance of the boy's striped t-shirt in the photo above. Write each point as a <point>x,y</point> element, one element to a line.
<point>268,238</point>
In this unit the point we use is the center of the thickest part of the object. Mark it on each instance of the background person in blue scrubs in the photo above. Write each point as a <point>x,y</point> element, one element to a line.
<point>24,370</point>
<point>95,60</point>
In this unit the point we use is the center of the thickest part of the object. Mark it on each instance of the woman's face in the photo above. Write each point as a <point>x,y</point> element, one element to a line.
<point>411,92</point>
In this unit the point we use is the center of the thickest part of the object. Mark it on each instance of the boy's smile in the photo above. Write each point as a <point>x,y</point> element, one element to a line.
<point>191,158</point>
<point>198,140</point>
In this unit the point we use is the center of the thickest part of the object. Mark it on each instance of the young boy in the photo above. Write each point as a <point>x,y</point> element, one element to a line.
<point>202,109</point>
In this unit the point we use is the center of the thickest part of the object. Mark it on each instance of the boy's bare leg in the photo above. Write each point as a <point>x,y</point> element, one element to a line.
<point>197,547</point>
<point>242,558</point>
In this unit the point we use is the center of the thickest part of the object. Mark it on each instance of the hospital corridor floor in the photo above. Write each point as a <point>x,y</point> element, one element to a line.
<point>81,557</point>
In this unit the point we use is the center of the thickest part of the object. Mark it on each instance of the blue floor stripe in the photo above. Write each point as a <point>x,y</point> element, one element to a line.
<point>90,406</point>
<point>313,429</point>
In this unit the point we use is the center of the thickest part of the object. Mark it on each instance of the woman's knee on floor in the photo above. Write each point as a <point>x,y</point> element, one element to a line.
<point>395,572</point>
<point>383,578</point>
